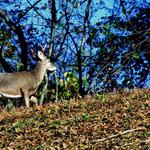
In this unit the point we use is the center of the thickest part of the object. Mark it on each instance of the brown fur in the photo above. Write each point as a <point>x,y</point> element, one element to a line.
<point>25,83</point>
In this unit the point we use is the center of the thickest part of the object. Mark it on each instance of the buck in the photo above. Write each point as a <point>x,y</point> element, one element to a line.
<point>25,83</point>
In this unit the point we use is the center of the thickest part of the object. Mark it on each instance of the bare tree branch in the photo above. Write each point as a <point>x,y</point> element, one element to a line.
<point>28,9</point>
<point>33,6</point>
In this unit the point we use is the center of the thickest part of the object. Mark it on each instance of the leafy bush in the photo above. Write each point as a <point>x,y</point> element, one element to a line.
<point>68,86</point>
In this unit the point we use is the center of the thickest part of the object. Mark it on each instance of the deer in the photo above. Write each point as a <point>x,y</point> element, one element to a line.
<point>25,83</point>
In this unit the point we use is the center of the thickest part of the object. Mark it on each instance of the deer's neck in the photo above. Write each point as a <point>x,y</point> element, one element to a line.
<point>39,71</point>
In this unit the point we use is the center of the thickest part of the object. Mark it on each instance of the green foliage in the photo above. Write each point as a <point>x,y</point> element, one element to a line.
<point>69,86</point>
<point>101,97</point>
<point>20,66</point>
<point>83,117</point>
<point>136,55</point>
<point>55,124</point>
<point>10,106</point>
<point>20,124</point>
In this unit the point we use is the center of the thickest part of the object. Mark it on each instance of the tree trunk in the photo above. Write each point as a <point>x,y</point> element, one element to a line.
<point>24,47</point>
<point>80,73</point>
<point>79,53</point>
<point>44,89</point>
<point>53,22</point>
<point>21,38</point>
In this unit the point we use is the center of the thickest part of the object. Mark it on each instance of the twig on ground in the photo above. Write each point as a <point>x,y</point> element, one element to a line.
<point>140,142</point>
<point>116,135</point>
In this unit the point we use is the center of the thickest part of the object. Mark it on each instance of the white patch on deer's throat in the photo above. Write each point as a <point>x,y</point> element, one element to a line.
<point>10,96</point>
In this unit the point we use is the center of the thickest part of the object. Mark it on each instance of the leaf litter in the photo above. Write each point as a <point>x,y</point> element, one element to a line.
<point>121,121</point>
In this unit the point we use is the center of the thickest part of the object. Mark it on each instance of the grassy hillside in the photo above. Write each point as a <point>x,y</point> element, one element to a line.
<point>108,121</point>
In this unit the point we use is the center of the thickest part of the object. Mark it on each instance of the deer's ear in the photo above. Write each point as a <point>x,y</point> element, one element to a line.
<point>41,55</point>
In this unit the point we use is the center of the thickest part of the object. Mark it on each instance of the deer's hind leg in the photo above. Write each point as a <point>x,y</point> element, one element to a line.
<point>26,98</point>
<point>34,99</point>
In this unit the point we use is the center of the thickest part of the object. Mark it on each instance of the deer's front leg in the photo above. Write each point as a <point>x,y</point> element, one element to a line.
<point>26,98</point>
